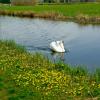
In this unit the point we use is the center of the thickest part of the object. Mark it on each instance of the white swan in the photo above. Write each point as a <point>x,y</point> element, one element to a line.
<point>57,46</point>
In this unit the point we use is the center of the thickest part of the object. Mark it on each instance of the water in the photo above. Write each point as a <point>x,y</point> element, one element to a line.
<point>82,43</point>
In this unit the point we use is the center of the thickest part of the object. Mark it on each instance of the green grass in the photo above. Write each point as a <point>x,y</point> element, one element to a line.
<point>71,10</point>
<point>25,76</point>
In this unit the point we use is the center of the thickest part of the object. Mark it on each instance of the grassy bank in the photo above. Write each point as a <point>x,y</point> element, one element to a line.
<point>83,13</point>
<point>25,76</point>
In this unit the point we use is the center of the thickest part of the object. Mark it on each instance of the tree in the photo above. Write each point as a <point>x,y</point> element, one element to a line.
<point>4,1</point>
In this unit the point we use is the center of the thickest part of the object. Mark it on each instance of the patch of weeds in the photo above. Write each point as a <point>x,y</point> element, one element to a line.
<point>1,85</point>
<point>11,91</point>
<point>1,78</point>
<point>13,98</point>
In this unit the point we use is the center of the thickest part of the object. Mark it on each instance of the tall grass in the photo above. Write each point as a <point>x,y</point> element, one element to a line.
<point>25,76</point>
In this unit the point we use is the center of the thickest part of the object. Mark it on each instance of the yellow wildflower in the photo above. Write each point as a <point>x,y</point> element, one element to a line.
<point>98,85</point>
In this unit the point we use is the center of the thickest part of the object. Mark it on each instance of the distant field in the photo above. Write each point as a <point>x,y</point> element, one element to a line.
<point>71,10</point>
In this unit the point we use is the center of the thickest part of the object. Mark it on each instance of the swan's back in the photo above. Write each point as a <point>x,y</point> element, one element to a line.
<point>57,46</point>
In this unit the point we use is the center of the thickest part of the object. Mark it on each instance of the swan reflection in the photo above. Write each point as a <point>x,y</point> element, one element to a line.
<point>57,56</point>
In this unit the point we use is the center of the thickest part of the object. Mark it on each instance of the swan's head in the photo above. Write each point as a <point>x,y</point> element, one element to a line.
<point>61,42</point>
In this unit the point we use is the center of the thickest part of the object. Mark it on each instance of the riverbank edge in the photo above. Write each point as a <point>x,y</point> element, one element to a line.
<point>81,18</point>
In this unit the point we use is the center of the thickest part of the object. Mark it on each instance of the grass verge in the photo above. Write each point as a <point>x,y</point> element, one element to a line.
<point>25,76</point>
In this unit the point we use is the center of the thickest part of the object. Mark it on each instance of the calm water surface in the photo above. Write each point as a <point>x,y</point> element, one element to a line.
<point>82,43</point>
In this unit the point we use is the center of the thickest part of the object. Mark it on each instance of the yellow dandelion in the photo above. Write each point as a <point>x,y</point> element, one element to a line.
<point>98,85</point>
